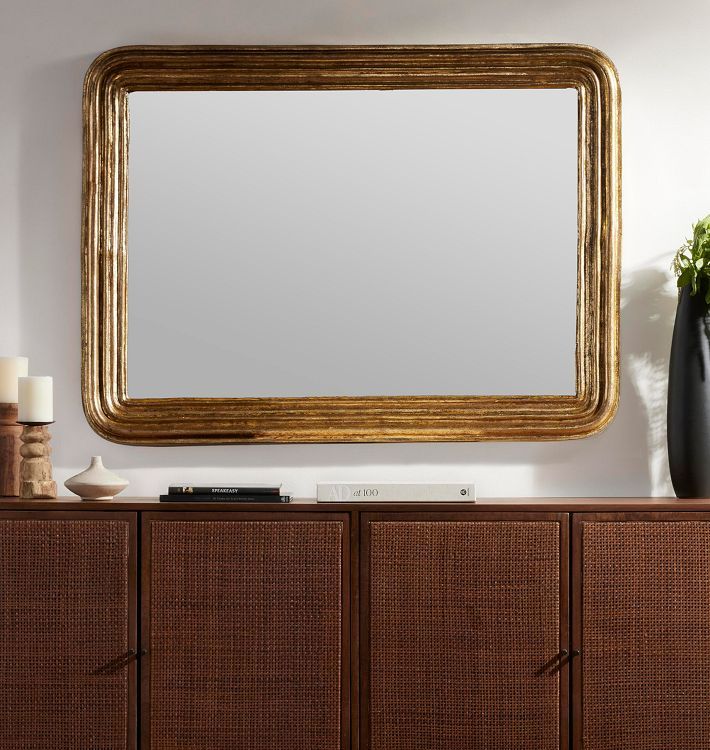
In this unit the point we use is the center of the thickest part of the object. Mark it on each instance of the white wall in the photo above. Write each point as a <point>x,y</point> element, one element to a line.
<point>661,53</point>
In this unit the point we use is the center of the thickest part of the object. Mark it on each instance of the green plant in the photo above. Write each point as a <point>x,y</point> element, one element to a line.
<point>691,263</point>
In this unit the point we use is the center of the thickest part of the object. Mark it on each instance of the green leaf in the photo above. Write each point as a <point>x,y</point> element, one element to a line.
<point>685,277</point>
<point>702,227</point>
<point>691,262</point>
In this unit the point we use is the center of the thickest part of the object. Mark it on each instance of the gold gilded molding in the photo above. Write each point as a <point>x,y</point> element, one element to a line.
<point>168,421</point>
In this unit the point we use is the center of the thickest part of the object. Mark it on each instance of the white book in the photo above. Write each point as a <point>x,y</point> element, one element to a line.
<point>386,492</point>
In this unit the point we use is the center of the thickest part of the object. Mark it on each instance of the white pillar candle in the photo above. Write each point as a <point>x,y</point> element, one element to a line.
<point>35,402</point>
<point>11,368</point>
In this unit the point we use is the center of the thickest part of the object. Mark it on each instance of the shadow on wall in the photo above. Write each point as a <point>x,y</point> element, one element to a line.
<point>649,302</point>
<point>630,456</point>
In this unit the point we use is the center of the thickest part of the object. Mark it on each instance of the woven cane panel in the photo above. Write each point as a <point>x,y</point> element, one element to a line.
<point>464,620</point>
<point>63,624</point>
<point>646,635</point>
<point>245,643</point>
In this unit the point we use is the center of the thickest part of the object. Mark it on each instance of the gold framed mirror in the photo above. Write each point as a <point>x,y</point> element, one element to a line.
<point>333,413</point>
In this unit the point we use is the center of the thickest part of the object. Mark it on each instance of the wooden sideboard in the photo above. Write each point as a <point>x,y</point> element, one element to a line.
<point>504,625</point>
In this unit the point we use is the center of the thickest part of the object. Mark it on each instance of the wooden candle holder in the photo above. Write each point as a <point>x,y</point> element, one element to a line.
<point>9,451</point>
<point>36,466</point>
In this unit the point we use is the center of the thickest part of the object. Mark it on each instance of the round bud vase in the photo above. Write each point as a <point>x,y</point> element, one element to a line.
<point>689,396</point>
<point>96,482</point>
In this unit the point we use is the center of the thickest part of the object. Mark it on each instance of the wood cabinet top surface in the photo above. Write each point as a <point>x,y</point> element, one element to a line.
<point>539,504</point>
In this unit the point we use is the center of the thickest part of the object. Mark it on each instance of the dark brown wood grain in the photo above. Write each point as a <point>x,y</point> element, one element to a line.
<point>641,620</point>
<point>68,631</point>
<point>246,622</point>
<point>309,505</point>
<point>565,662</point>
<point>463,631</point>
<point>355,630</point>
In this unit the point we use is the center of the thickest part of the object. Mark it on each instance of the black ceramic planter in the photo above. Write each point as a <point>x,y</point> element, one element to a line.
<point>689,397</point>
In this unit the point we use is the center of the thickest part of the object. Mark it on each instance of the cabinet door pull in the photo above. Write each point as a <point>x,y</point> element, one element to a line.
<point>564,653</point>
<point>575,652</point>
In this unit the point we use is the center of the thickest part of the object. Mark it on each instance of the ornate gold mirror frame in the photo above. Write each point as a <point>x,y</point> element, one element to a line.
<point>117,417</point>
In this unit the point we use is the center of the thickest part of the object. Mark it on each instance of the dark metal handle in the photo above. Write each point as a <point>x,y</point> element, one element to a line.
<point>143,652</point>
<point>564,652</point>
<point>131,652</point>
<point>576,652</point>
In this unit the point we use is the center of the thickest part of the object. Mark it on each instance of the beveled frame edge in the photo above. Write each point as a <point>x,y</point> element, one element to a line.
<point>115,416</point>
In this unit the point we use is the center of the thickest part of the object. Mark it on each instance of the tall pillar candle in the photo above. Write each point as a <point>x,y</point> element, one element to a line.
<point>11,368</point>
<point>35,400</point>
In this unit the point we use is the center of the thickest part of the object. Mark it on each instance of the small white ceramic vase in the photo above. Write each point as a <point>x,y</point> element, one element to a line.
<point>96,482</point>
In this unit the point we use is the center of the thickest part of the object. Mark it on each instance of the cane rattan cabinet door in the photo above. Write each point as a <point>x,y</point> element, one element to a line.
<point>642,622</point>
<point>68,630</point>
<point>247,634</point>
<point>463,626</point>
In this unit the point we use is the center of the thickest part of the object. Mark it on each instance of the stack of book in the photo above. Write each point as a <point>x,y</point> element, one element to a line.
<point>231,493</point>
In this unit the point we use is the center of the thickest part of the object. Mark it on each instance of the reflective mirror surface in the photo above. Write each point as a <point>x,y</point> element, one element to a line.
<point>352,243</point>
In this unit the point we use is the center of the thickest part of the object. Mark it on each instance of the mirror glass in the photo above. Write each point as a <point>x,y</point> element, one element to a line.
<point>352,243</point>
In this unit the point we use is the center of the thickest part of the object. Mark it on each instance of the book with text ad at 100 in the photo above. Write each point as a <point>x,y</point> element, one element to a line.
<point>384,492</point>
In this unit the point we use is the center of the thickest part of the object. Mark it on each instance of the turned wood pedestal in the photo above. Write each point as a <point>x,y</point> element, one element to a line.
<point>9,451</point>
<point>36,466</point>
